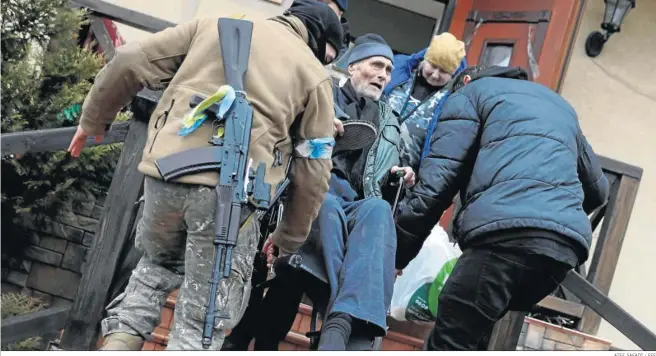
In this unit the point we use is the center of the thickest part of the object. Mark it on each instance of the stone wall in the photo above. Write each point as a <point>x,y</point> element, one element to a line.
<point>51,266</point>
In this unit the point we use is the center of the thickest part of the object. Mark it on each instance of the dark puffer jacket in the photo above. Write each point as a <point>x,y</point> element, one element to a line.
<point>515,151</point>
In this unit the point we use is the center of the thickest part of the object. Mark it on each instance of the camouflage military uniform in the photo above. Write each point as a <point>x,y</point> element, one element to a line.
<point>413,127</point>
<point>176,234</point>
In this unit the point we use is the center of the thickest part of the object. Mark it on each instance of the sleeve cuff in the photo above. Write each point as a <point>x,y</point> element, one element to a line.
<point>91,128</point>
<point>284,246</point>
<point>406,249</point>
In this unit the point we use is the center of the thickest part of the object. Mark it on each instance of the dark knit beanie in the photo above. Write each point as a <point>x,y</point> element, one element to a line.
<point>369,45</point>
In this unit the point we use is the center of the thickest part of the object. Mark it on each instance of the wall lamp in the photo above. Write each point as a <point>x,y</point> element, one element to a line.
<point>616,11</point>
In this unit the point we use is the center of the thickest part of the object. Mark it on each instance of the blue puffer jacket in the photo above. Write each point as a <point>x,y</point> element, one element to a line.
<point>515,151</point>
<point>405,67</point>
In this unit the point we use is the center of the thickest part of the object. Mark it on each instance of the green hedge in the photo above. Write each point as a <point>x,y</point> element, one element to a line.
<point>45,77</point>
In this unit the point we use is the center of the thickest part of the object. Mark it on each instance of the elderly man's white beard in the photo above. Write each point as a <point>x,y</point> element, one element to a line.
<point>366,91</point>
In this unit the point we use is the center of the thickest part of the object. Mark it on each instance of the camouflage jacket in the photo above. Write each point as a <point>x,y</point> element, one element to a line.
<point>421,123</point>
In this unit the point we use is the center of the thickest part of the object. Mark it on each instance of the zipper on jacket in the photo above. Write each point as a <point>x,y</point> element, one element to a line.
<point>373,151</point>
<point>164,115</point>
<point>278,159</point>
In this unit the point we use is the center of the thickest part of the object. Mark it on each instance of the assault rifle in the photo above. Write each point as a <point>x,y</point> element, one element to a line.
<point>229,156</point>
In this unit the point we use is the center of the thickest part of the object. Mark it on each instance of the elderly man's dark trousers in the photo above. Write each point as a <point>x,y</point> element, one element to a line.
<point>486,283</point>
<point>358,243</point>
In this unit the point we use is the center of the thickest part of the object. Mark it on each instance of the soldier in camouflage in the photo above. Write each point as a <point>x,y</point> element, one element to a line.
<point>177,229</point>
<point>417,91</point>
<point>178,226</point>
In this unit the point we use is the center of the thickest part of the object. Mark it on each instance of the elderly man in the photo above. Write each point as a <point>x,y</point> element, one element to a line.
<point>418,90</point>
<point>528,179</point>
<point>178,224</point>
<point>355,227</point>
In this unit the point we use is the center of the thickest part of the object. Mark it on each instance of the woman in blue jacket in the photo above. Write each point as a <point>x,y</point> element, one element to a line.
<point>417,91</point>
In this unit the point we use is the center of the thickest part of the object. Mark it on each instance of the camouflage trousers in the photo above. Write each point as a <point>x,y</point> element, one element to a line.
<point>176,234</point>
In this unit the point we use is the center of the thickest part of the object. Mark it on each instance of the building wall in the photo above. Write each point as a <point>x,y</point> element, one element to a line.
<point>406,31</point>
<point>615,97</point>
<point>184,10</point>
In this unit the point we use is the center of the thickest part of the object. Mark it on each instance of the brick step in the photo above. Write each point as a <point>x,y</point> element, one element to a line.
<point>403,336</point>
<point>395,340</point>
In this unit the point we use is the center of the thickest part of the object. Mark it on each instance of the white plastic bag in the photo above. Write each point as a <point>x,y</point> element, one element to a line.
<point>416,291</point>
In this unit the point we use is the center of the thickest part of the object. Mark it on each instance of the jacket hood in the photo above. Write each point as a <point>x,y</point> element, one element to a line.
<point>294,24</point>
<point>416,58</point>
<point>322,26</point>
<point>478,72</point>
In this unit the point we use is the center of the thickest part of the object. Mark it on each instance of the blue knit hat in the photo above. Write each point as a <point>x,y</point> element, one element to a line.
<point>342,4</point>
<point>369,45</point>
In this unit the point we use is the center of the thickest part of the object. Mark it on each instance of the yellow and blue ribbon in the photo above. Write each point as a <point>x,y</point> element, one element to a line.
<point>225,96</point>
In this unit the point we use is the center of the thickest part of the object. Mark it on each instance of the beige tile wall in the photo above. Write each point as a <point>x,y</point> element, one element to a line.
<point>615,97</point>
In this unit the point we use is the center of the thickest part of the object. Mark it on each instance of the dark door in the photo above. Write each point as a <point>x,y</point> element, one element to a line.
<point>534,34</point>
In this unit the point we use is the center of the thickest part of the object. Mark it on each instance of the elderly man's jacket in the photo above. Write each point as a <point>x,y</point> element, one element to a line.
<point>385,152</point>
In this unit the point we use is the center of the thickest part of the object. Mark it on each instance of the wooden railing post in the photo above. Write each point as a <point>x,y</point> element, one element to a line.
<point>113,231</point>
<point>48,140</point>
<point>123,15</point>
<point>609,246</point>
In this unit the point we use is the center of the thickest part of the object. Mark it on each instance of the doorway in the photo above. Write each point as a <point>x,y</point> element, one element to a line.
<point>407,26</point>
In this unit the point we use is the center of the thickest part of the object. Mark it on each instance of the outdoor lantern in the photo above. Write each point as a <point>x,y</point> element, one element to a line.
<point>616,11</point>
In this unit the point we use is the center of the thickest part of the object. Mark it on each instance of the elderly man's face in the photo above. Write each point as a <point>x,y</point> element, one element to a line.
<point>370,76</point>
<point>434,75</point>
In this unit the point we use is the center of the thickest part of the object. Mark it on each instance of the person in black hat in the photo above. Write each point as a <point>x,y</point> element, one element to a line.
<point>176,231</point>
<point>340,7</point>
<point>325,35</point>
